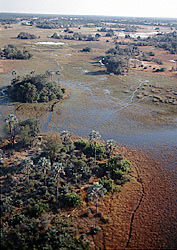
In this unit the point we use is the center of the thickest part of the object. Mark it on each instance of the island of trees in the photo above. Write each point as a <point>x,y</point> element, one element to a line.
<point>25,35</point>
<point>34,89</point>
<point>11,52</point>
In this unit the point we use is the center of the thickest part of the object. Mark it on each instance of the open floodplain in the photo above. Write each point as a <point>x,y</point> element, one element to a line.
<point>143,215</point>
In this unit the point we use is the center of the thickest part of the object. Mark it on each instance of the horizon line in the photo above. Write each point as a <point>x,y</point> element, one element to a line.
<point>34,13</point>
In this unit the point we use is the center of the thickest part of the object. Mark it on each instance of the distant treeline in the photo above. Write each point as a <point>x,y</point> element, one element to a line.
<point>167,41</point>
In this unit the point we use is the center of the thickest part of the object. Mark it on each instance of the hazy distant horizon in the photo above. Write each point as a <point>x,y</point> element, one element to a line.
<point>112,8</point>
<point>60,14</point>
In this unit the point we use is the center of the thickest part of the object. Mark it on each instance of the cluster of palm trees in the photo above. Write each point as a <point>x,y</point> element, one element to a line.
<point>49,73</point>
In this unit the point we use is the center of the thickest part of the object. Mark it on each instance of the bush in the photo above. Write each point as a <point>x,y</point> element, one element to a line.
<point>71,200</point>
<point>37,209</point>
<point>108,184</point>
<point>86,49</point>
<point>88,148</point>
<point>125,165</point>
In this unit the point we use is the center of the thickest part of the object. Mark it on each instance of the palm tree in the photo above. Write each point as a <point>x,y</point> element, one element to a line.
<point>27,164</point>
<point>109,148</point>
<point>94,191</point>
<point>65,135</point>
<point>12,122</point>
<point>45,165</point>
<point>57,73</point>
<point>32,72</point>
<point>94,136</point>
<point>14,72</point>
<point>56,169</point>
<point>49,74</point>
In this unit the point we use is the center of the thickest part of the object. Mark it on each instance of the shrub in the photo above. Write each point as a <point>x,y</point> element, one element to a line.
<point>95,230</point>
<point>37,209</point>
<point>88,148</point>
<point>108,184</point>
<point>125,165</point>
<point>71,200</point>
<point>86,49</point>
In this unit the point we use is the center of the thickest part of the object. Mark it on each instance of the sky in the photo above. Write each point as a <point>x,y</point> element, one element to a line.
<point>136,8</point>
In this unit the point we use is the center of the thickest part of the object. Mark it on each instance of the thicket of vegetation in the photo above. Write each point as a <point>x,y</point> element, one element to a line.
<point>11,52</point>
<point>167,41</point>
<point>75,36</point>
<point>25,35</point>
<point>115,64</point>
<point>117,59</point>
<point>36,190</point>
<point>39,88</point>
<point>131,51</point>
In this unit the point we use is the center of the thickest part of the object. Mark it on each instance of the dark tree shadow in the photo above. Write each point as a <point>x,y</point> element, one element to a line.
<point>97,73</point>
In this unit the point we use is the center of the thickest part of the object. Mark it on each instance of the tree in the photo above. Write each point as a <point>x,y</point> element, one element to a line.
<point>114,64</point>
<point>109,147</point>
<point>65,135</point>
<point>94,191</point>
<point>52,146</point>
<point>29,130</point>
<point>14,72</point>
<point>86,49</point>
<point>56,170</point>
<point>45,165</point>
<point>32,72</point>
<point>12,126</point>
<point>94,136</point>
<point>57,73</point>
<point>27,165</point>
<point>49,74</point>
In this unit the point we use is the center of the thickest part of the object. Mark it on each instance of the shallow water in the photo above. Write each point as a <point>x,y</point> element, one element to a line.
<point>97,105</point>
<point>49,43</point>
<point>135,35</point>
